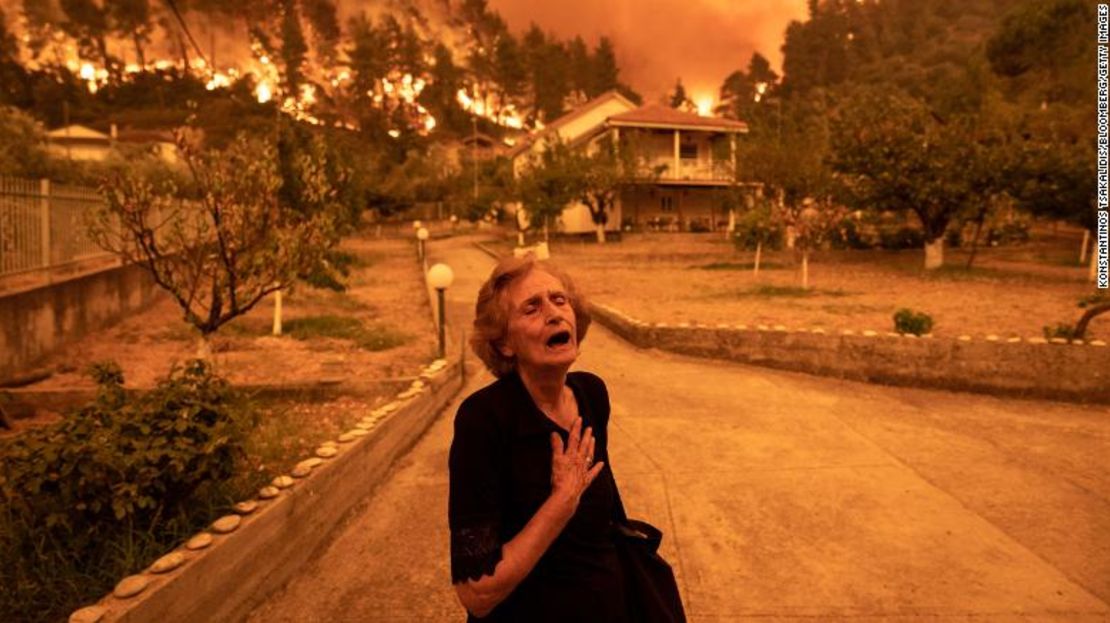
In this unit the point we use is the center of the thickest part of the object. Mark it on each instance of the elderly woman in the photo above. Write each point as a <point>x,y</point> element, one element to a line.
<point>531,496</point>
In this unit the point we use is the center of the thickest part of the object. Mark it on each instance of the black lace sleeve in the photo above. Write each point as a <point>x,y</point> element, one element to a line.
<point>474,501</point>
<point>475,551</point>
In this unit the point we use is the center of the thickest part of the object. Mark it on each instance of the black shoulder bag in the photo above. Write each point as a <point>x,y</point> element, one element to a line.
<point>649,584</point>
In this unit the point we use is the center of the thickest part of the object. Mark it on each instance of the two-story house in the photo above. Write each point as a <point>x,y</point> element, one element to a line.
<point>687,159</point>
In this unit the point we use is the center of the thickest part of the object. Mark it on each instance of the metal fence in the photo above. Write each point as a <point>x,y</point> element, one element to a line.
<point>42,225</point>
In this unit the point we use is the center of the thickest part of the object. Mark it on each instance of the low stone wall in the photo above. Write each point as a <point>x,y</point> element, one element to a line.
<point>270,538</point>
<point>1030,367</point>
<point>34,323</point>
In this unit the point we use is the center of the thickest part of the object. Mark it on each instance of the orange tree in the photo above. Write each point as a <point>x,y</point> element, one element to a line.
<point>244,229</point>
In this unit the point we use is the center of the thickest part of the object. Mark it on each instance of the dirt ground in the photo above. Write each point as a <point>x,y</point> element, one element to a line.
<point>384,293</point>
<point>387,334</point>
<point>1011,291</point>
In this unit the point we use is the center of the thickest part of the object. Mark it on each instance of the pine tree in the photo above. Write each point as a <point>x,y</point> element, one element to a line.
<point>581,67</point>
<point>678,96</point>
<point>321,15</point>
<point>293,46</point>
<point>510,72</point>
<point>604,71</point>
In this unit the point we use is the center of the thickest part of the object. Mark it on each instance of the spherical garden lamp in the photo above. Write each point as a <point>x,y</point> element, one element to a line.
<point>421,238</point>
<point>440,277</point>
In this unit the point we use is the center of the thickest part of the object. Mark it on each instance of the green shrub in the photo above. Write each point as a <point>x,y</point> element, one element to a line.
<point>699,226</point>
<point>901,238</point>
<point>847,235</point>
<point>1008,233</point>
<point>1062,329</point>
<point>953,238</point>
<point>756,226</point>
<point>345,328</point>
<point>113,485</point>
<point>914,323</point>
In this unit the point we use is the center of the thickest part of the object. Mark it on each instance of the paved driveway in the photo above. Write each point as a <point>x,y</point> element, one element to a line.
<point>783,497</point>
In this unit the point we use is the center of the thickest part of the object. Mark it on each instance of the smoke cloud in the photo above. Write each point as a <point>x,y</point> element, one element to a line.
<point>658,41</point>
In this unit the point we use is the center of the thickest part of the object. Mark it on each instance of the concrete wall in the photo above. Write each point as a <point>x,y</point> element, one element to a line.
<point>1031,368</point>
<point>36,322</point>
<point>230,577</point>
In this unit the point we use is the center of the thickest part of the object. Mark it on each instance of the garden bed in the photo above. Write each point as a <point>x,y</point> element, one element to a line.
<point>342,355</point>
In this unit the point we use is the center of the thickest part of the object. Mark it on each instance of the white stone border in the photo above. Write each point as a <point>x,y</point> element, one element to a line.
<point>989,364</point>
<point>822,331</point>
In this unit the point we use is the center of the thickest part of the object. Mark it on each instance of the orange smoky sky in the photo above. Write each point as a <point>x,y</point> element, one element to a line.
<point>659,41</point>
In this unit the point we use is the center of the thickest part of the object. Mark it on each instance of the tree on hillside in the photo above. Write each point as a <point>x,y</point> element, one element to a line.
<point>742,91</point>
<point>440,94</point>
<point>604,73</point>
<point>322,17</point>
<point>578,59</point>
<point>1043,42</point>
<point>678,97</point>
<point>13,77</point>
<point>87,22</point>
<point>131,19</point>
<point>235,243</point>
<point>293,46</point>
<point>510,72</point>
<point>549,74</point>
<point>894,154</point>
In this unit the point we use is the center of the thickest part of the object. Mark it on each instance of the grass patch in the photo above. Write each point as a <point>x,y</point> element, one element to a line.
<point>740,266</point>
<point>773,291</point>
<point>768,291</point>
<point>852,309</point>
<point>986,275</point>
<point>374,338</point>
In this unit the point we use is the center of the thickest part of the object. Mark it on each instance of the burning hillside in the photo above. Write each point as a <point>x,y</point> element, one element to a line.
<point>402,64</point>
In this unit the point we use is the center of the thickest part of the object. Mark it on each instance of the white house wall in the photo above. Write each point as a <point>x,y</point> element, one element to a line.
<point>576,219</point>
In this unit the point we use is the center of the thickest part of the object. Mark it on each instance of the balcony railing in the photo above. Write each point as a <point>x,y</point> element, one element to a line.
<point>692,170</point>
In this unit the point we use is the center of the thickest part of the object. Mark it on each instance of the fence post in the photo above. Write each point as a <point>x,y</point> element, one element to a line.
<point>44,217</point>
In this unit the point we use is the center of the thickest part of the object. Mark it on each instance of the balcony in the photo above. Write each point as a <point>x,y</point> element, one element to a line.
<point>690,171</point>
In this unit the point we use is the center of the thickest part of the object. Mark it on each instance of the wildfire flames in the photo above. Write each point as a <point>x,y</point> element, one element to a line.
<point>255,65</point>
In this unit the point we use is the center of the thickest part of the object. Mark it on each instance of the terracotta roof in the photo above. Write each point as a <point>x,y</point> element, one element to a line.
<point>77,132</point>
<point>567,118</point>
<point>664,117</point>
<point>145,136</point>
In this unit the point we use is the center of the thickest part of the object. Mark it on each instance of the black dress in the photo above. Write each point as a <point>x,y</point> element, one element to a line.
<point>500,466</point>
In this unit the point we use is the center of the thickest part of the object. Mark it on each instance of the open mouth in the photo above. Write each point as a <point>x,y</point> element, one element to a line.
<point>558,339</point>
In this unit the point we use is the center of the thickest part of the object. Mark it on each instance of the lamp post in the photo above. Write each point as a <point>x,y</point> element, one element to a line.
<point>440,277</point>
<point>421,237</point>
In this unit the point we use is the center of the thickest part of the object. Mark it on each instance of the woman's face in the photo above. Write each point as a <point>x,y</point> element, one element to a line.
<point>542,328</point>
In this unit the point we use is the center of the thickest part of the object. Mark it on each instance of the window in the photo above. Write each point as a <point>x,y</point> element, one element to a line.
<point>688,151</point>
<point>666,203</point>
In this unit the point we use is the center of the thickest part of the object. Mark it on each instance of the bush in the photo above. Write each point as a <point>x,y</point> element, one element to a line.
<point>756,226</point>
<point>1062,329</point>
<point>914,323</point>
<point>953,238</point>
<point>902,238</point>
<point>1009,233</point>
<point>113,485</point>
<point>847,235</point>
<point>699,225</point>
